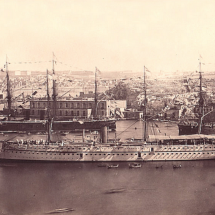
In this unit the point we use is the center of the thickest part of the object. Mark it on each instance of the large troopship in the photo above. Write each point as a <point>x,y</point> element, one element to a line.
<point>150,148</point>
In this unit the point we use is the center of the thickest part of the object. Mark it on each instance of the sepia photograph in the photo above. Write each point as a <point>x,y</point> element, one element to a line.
<point>107,107</point>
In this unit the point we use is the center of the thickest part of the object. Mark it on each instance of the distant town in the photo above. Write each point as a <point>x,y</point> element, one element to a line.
<point>120,94</point>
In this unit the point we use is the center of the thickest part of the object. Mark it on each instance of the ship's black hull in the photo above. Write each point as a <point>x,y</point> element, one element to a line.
<point>189,129</point>
<point>42,126</point>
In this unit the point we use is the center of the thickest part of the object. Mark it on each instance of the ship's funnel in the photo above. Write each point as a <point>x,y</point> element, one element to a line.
<point>104,134</point>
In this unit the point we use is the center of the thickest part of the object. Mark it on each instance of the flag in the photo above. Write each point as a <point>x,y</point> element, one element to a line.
<point>98,71</point>
<point>147,70</point>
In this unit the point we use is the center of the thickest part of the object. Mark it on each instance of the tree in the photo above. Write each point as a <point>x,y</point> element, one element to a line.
<point>119,92</point>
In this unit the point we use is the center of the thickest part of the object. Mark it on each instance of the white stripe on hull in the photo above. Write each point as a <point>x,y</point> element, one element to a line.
<point>108,153</point>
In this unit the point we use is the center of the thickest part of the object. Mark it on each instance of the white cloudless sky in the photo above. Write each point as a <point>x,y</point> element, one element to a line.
<point>114,35</point>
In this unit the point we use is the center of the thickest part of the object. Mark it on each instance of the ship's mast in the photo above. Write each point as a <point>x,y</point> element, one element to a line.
<point>54,96</point>
<point>96,102</point>
<point>201,101</point>
<point>8,90</point>
<point>48,107</point>
<point>144,110</point>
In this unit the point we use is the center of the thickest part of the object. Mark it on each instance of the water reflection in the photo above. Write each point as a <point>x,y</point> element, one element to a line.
<point>38,188</point>
<point>155,188</point>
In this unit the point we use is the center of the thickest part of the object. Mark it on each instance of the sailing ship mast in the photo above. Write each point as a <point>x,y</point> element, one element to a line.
<point>201,101</point>
<point>96,102</point>
<point>48,108</point>
<point>8,90</point>
<point>144,110</point>
<point>54,95</point>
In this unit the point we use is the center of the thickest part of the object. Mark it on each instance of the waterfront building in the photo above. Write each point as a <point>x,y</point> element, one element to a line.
<point>133,114</point>
<point>69,109</point>
<point>174,113</point>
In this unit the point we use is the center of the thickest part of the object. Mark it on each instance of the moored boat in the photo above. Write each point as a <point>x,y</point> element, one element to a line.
<point>176,166</point>
<point>113,166</point>
<point>134,165</point>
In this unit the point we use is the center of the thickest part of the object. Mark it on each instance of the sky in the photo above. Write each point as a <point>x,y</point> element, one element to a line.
<point>166,36</point>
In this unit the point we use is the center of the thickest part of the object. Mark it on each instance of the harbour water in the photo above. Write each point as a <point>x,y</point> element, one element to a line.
<point>28,188</point>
